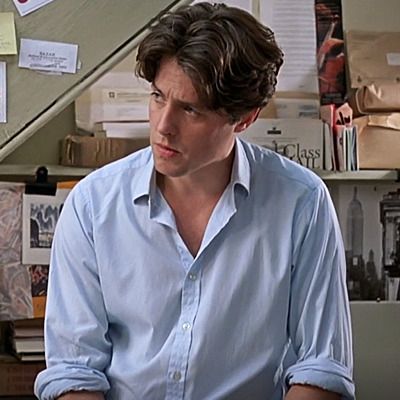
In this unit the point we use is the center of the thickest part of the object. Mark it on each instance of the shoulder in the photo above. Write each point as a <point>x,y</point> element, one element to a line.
<point>123,169</point>
<point>116,177</point>
<point>271,168</point>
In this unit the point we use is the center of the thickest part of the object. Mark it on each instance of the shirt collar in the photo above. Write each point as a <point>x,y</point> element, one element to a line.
<point>241,167</point>
<point>145,183</point>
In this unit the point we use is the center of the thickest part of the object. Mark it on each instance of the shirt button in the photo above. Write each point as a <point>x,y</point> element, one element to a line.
<point>192,277</point>
<point>186,326</point>
<point>176,376</point>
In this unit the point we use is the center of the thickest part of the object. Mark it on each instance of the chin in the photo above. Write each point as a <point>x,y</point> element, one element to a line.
<point>168,171</point>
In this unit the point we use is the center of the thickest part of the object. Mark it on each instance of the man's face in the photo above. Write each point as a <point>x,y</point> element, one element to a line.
<point>186,138</point>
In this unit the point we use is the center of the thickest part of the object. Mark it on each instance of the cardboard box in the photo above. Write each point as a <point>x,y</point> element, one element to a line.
<point>89,151</point>
<point>378,141</point>
<point>300,139</point>
<point>110,104</point>
<point>118,95</point>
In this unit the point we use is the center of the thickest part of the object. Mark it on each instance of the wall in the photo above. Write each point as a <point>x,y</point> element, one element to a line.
<point>376,326</point>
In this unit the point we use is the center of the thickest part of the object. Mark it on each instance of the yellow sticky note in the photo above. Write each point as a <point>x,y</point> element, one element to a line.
<point>8,42</point>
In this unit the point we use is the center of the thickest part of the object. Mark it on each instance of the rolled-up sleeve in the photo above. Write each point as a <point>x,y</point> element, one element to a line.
<point>319,316</point>
<point>76,342</point>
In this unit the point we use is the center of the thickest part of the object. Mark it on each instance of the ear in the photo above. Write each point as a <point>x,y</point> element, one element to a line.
<point>246,120</point>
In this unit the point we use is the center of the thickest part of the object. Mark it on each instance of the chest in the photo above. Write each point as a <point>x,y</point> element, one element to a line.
<point>191,223</point>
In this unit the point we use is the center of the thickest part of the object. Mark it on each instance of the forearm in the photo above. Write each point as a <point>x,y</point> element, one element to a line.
<point>305,392</point>
<point>82,395</point>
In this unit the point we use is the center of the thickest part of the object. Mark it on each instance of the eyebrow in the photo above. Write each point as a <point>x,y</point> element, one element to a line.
<point>196,106</point>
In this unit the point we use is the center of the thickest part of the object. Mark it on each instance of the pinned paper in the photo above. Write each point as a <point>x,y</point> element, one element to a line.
<point>3,92</point>
<point>25,7</point>
<point>8,42</point>
<point>48,56</point>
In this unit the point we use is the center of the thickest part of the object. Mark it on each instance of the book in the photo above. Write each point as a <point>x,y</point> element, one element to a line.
<point>23,328</point>
<point>327,114</point>
<point>29,345</point>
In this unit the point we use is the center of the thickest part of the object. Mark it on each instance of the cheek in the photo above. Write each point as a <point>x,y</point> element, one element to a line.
<point>153,117</point>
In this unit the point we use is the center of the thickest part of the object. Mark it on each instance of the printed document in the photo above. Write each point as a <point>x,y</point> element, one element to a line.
<point>293,23</point>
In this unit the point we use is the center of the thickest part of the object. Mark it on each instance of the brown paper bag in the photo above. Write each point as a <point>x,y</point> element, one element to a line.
<point>378,138</point>
<point>376,98</point>
<point>373,58</point>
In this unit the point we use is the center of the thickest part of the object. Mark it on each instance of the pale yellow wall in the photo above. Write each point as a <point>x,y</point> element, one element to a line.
<point>377,15</point>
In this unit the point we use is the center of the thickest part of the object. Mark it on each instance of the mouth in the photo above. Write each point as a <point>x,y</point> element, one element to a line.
<point>165,151</point>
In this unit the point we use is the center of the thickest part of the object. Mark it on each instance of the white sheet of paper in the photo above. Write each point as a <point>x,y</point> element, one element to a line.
<point>48,56</point>
<point>293,22</point>
<point>3,92</point>
<point>25,7</point>
<point>243,4</point>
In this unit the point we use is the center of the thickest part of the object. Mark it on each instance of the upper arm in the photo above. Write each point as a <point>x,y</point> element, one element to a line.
<point>76,326</point>
<point>319,318</point>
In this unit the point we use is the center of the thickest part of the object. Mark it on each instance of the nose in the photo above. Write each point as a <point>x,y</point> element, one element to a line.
<point>166,124</point>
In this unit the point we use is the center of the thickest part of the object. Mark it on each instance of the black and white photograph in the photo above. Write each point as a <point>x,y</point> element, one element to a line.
<point>369,216</point>
<point>40,216</point>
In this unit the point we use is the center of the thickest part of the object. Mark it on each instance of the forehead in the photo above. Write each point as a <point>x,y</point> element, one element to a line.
<point>173,81</point>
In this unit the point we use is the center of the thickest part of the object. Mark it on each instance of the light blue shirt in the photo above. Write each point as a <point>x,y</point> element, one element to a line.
<point>263,305</point>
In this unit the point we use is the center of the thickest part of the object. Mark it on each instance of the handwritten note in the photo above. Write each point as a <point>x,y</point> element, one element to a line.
<point>8,43</point>
<point>48,56</point>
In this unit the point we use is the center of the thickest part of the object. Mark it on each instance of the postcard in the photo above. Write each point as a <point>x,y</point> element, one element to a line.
<point>3,92</point>
<point>25,7</point>
<point>39,218</point>
<point>8,42</point>
<point>48,56</point>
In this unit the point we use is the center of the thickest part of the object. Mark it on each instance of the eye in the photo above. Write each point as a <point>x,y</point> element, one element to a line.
<point>190,110</point>
<point>156,95</point>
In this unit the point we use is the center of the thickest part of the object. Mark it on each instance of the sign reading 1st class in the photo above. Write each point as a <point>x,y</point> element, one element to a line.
<point>299,139</point>
<point>308,157</point>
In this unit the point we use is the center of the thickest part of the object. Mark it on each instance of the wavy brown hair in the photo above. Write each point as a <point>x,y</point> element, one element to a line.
<point>231,58</point>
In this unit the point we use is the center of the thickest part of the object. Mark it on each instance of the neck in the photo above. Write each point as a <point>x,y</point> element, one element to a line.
<point>211,181</point>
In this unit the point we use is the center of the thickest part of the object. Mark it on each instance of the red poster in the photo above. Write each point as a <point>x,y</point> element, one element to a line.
<point>330,51</point>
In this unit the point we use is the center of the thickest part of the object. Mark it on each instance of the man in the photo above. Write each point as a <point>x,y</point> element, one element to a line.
<point>203,267</point>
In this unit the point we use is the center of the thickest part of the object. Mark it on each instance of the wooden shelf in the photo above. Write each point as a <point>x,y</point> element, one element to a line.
<point>367,175</point>
<point>22,170</point>
<point>61,171</point>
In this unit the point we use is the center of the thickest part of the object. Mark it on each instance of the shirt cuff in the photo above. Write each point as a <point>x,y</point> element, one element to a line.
<point>54,381</point>
<point>324,373</point>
